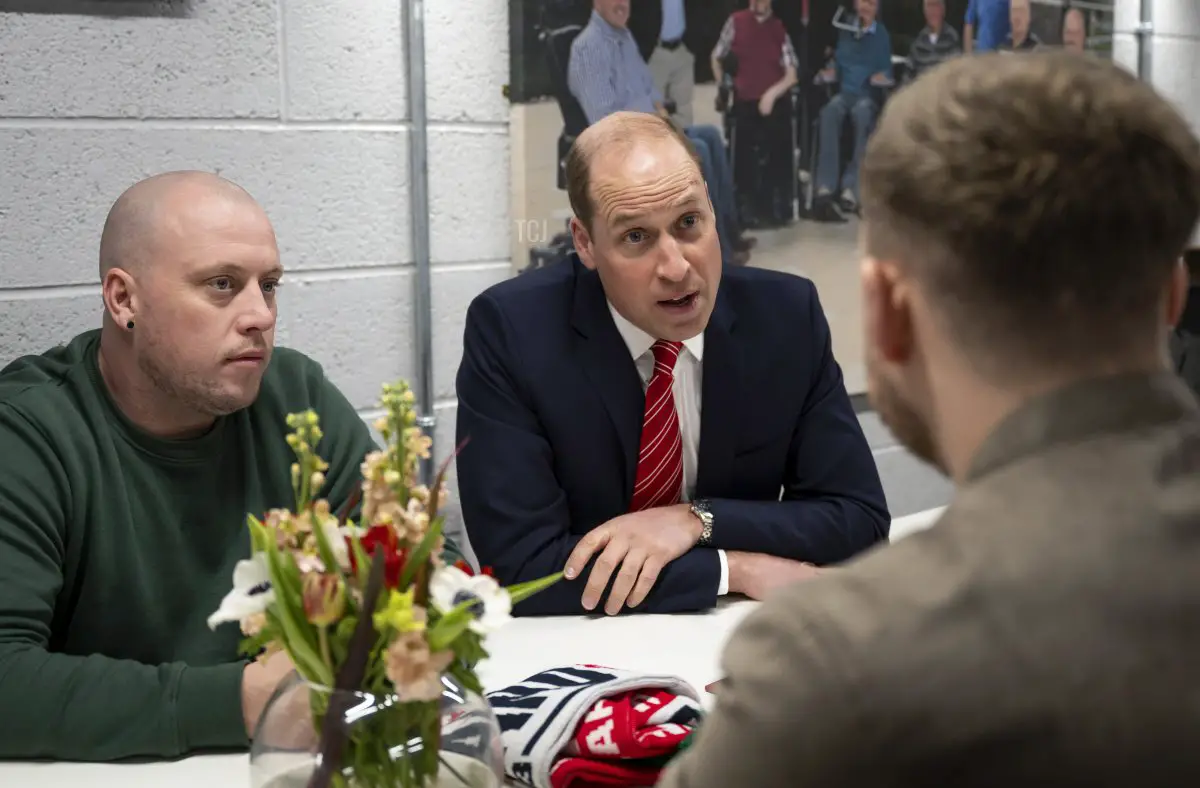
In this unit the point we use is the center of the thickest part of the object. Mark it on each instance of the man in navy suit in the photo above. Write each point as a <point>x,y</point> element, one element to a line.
<point>642,419</point>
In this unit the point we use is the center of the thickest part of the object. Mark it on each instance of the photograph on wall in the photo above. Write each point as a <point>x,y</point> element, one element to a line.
<point>778,97</point>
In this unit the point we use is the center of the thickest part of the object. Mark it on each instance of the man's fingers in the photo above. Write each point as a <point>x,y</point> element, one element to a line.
<point>630,568</point>
<point>588,545</point>
<point>602,570</point>
<point>646,580</point>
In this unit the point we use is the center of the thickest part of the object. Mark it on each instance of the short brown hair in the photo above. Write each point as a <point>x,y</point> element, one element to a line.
<point>620,129</point>
<point>1041,199</point>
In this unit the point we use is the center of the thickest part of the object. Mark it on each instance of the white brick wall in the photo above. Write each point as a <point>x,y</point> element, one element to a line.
<point>1175,51</point>
<point>302,102</point>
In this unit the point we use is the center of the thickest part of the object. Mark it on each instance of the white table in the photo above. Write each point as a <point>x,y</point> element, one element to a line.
<point>687,645</point>
<point>903,526</point>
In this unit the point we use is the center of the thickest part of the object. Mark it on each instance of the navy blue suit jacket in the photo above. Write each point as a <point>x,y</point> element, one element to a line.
<point>550,402</point>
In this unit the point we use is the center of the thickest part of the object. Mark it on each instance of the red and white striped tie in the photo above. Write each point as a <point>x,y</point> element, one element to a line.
<point>660,458</point>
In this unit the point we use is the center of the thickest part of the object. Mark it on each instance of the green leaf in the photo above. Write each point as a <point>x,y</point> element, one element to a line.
<point>345,628</point>
<point>258,534</point>
<point>251,646</point>
<point>361,560</point>
<point>465,677</point>
<point>299,637</point>
<point>339,637</point>
<point>325,549</point>
<point>451,625</point>
<point>419,556</point>
<point>294,648</point>
<point>522,591</point>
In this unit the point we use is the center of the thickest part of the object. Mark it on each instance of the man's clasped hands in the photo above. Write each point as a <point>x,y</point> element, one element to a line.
<point>639,545</point>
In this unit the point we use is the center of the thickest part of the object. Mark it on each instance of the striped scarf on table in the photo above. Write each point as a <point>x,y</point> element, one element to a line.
<point>592,725</point>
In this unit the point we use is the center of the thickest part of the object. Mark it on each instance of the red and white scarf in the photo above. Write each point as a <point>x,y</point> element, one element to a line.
<point>584,726</point>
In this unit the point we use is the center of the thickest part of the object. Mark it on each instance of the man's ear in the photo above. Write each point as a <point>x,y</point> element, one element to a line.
<point>887,311</point>
<point>119,292</point>
<point>583,243</point>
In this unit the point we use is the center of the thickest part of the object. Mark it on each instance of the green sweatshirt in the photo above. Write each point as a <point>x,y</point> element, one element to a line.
<point>116,546</point>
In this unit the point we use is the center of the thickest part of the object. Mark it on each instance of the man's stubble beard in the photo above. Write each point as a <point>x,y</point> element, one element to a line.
<point>190,390</point>
<point>905,421</point>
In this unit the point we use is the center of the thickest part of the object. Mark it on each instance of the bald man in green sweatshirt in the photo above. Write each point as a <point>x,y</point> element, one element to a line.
<point>131,456</point>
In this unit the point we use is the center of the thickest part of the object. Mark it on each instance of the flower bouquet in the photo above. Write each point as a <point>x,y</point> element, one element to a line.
<point>379,628</point>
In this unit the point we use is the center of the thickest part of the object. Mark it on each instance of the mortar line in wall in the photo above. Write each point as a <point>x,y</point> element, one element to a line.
<point>468,266</point>
<point>368,271</point>
<point>246,124</point>
<point>43,292</point>
<point>300,276</point>
<point>307,275</point>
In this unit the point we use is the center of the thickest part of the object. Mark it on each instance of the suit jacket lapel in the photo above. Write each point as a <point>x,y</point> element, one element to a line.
<point>721,401</point>
<point>607,363</point>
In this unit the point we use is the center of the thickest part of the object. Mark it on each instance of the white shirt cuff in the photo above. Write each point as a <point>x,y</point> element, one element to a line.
<point>723,589</point>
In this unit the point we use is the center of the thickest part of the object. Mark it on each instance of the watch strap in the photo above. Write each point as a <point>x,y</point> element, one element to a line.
<point>703,512</point>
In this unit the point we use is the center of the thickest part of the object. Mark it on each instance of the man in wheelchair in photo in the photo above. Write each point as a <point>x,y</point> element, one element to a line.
<point>861,70</point>
<point>755,64</point>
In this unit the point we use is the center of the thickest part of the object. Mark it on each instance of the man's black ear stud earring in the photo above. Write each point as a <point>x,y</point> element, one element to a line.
<point>129,324</point>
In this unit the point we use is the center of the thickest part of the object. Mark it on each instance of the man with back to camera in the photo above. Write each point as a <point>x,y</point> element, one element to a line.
<point>633,414</point>
<point>131,457</point>
<point>1016,307</point>
<point>606,74</point>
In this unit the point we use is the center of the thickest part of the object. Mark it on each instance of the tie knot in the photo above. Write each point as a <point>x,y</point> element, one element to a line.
<point>666,354</point>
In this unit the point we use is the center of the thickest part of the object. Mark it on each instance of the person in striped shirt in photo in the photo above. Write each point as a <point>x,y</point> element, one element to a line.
<point>1021,37</point>
<point>937,41</point>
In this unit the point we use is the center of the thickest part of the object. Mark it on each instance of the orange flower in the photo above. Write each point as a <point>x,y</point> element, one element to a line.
<point>415,672</point>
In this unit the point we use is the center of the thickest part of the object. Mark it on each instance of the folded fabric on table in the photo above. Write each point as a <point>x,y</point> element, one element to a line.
<point>586,725</point>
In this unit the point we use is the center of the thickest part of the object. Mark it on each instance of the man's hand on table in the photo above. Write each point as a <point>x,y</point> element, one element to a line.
<point>756,574</point>
<point>640,544</point>
<point>259,681</point>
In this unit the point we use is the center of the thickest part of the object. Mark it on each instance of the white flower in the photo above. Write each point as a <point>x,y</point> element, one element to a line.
<point>450,586</point>
<point>252,592</point>
<point>336,538</point>
<point>337,542</point>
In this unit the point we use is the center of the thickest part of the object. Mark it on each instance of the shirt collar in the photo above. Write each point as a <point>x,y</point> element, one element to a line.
<point>638,341</point>
<point>870,28</point>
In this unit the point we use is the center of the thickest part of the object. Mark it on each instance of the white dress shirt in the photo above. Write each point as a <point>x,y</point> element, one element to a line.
<point>686,391</point>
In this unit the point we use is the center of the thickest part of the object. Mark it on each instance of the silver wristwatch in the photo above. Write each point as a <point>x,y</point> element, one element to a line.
<point>702,511</point>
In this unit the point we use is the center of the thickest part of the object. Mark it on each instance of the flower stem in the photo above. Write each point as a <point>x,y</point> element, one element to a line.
<point>323,640</point>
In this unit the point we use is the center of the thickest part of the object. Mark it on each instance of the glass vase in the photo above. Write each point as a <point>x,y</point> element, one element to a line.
<point>452,742</point>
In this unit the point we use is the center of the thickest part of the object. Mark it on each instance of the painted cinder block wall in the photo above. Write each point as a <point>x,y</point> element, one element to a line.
<point>302,102</point>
